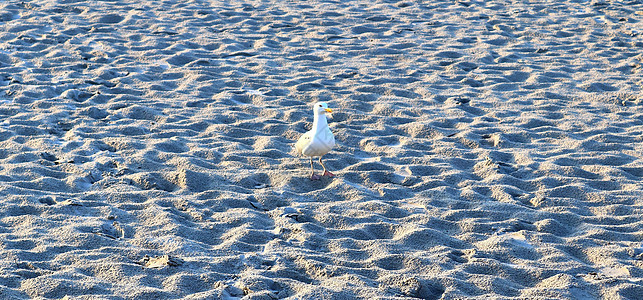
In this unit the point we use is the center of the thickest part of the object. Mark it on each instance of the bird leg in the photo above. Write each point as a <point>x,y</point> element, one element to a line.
<point>313,176</point>
<point>326,172</point>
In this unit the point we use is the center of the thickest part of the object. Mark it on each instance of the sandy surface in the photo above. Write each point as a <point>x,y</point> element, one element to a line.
<point>486,149</point>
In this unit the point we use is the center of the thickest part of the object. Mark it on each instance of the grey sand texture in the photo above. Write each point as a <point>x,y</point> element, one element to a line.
<point>484,149</point>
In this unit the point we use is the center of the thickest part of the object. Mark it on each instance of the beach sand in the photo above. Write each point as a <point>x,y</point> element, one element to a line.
<point>485,149</point>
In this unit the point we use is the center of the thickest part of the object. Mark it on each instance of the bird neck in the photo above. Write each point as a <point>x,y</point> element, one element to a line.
<point>319,123</point>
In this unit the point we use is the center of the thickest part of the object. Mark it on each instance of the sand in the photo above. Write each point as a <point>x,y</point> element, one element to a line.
<point>485,149</point>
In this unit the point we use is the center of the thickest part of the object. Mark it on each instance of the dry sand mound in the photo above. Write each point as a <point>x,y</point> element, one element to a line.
<point>486,149</point>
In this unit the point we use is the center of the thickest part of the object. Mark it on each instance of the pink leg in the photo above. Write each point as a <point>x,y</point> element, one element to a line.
<point>326,172</point>
<point>329,174</point>
<point>313,176</point>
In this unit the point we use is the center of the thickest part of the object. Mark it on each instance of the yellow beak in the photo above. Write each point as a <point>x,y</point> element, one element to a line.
<point>328,110</point>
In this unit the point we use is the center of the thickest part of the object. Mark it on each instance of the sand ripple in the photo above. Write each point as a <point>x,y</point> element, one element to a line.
<point>485,149</point>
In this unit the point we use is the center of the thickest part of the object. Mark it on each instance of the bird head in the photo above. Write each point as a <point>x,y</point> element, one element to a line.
<point>322,108</point>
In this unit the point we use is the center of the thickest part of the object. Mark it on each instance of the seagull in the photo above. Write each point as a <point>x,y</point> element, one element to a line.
<point>318,141</point>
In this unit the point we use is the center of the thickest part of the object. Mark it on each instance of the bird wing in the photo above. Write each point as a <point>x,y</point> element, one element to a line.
<point>303,141</point>
<point>315,144</point>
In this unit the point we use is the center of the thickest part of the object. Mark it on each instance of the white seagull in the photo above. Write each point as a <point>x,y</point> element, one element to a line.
<point>318,141</point>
